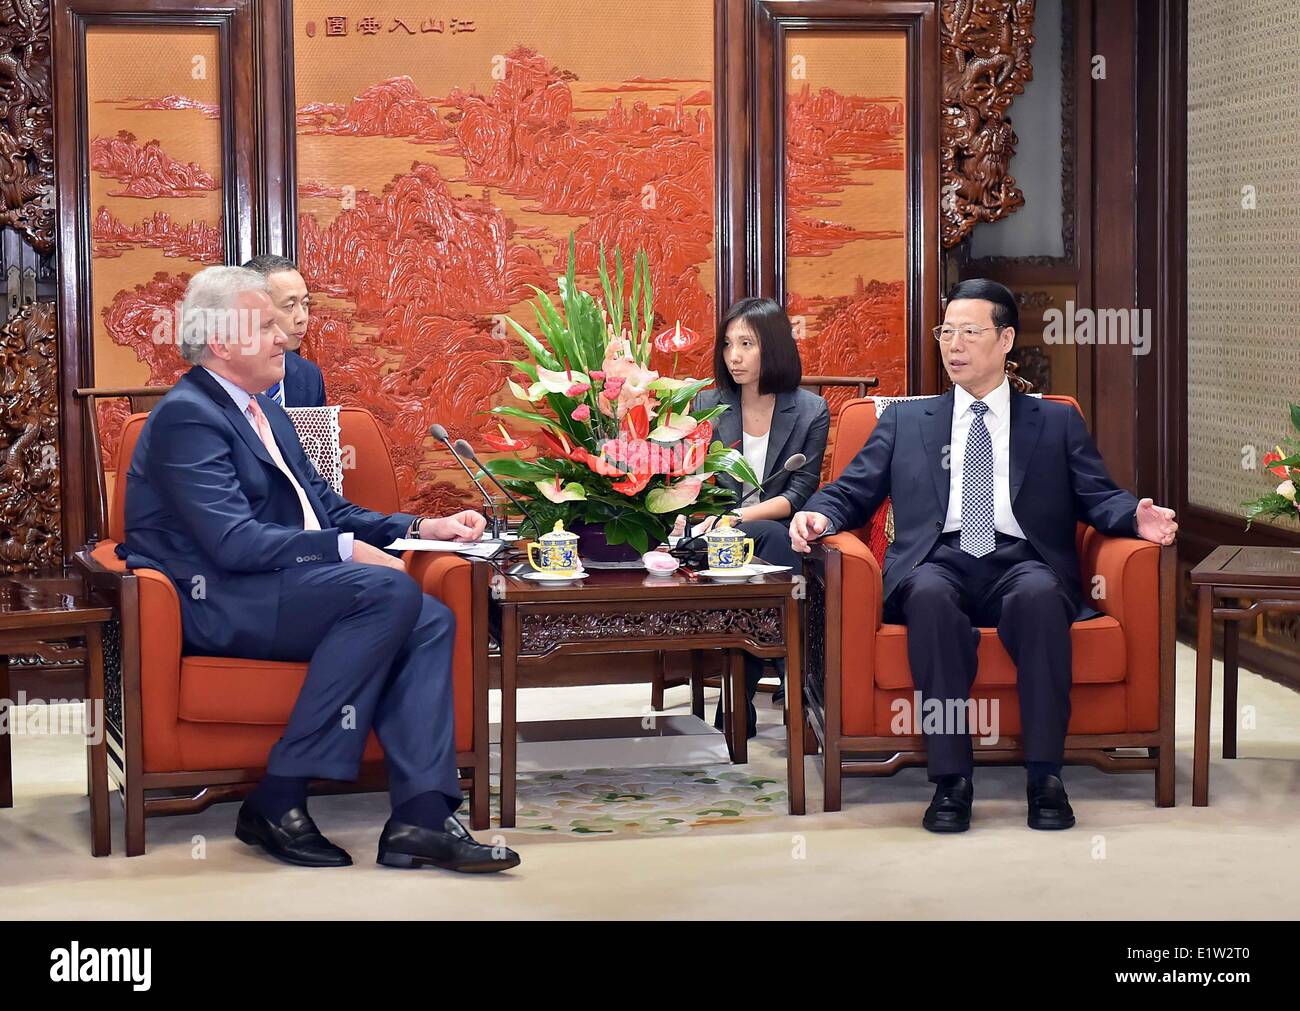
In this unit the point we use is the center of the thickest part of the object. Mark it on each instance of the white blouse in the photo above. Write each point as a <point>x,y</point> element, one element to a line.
<point>754,449</point>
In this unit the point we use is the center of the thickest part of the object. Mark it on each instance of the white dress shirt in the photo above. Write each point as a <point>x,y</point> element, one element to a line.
<point>754,450</point>
<point>998,421</point>
<point>242,398</point>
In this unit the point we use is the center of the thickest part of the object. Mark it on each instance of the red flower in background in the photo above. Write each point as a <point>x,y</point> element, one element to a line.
<point>1272,457</point>
<point>676,339</point>
<point>505,443</point>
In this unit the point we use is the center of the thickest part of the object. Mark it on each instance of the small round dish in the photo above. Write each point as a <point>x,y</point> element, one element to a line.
<point>555,577</point>
<point>730,575</point>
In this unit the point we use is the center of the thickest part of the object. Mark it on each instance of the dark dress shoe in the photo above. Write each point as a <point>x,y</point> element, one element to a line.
<point>949,810</point>
<point>1049,807</point>
<point>296,840</point>
<point>452,849</point>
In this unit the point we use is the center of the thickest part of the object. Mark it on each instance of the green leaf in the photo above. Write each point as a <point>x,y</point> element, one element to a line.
<point>1295,417</point>
<point>520,413</point>
<point>535,347</point>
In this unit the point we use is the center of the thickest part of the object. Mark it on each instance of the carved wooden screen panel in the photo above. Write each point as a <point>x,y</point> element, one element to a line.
<point>844,182</point>
<point>154,131</point>
<point>846,204</point>
<point>155,181</point>
<point>29,464</point>
<point>442,163</point>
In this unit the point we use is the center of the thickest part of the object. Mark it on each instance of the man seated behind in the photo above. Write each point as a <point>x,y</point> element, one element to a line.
<point>303,384</point>
<point>221,495</point>
<point>987,485</point>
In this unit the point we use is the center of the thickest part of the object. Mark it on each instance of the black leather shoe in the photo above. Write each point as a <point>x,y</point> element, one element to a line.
<point>949,810</point>
<point>1049,807</point>
<point>452,849</point>
<point>296,840</point>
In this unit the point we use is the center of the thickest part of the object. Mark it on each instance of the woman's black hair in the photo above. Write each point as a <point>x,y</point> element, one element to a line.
<point>781,368</point>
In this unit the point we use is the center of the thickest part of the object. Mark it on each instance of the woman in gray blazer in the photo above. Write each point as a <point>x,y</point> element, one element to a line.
<point>757,370</point>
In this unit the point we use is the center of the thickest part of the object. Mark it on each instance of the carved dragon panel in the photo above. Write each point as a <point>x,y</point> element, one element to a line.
<point>985,63</point>
<point>26,122</point>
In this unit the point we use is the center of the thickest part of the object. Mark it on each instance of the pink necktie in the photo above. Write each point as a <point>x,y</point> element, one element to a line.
<point>309,520</point>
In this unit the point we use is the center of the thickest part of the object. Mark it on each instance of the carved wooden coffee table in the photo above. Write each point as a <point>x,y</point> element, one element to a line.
<point>625,610</point>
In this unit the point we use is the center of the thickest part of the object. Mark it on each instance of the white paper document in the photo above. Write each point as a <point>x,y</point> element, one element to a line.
<point>472,549</point>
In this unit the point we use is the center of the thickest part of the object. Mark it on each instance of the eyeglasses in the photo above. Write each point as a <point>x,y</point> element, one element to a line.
<point>945,334</point>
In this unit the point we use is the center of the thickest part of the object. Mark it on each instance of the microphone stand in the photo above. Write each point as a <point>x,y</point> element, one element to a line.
<point>468,450</point>
<point>792,463</point>
<point>440,433</point>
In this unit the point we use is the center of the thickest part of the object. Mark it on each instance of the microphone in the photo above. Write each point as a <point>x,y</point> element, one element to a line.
<point>791,464</point>
<point>466,449</point>
<point>440,433</point>
<point>789,467</point>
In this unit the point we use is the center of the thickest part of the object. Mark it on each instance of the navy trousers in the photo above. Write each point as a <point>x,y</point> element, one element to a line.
<point>379,656</point>
<point>946,598</point>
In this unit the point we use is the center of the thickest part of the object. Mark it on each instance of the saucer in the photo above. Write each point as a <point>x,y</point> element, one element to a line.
<point>555,577</point>
<point>730,575</point>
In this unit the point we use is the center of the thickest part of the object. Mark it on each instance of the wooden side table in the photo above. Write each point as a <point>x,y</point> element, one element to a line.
<point>1233,584</point>
<point>49,615</point>
<point>625,610</point>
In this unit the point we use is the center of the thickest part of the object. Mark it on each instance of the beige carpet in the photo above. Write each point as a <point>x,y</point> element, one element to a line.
<point>1126,858</point>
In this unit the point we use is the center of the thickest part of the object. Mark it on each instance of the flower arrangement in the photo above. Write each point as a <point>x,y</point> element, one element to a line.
<point>1282,501</point>
<point>620,447</point>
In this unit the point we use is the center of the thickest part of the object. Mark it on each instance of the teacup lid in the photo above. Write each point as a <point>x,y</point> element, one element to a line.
<point>559,533</point>
<point>723,530</point>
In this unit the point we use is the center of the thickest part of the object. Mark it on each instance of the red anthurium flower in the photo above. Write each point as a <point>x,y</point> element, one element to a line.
<point>633,483</point>
<point>636,422</point>
<point>676,339</point>
<point>506,443</point>
<point>599,465</point>
<point>703,432</point>
<point>558,444</point>
<point>1272,457</point>
<point>688,457</point>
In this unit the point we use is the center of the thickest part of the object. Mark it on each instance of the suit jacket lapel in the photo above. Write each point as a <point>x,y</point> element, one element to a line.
<point>784,414</point>
<point>1026,425</point>
<point>936,434</point>
<point>241,424</point>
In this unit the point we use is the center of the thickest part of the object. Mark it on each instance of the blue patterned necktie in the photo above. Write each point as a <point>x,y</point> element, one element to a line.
<point>977,529</point>
<point>276,393</point>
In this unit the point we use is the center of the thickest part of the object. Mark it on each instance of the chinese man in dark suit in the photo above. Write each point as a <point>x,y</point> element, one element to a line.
<point>986,485</point>
<point>303,384</point>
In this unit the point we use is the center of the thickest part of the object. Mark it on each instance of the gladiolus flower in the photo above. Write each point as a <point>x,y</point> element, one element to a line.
<point>581,413</point>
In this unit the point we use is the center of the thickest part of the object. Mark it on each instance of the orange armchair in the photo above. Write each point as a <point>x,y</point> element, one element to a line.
<point>855,665</point>
<point>188,731</point>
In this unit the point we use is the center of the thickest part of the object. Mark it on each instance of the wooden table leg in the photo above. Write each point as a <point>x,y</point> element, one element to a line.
<point>101,839</point>
<point>509,732</point>
<point>1204,668</point>
<point>794,718</point>
<point>739,715</point>
<point>1230,715</point>
<point>6,755</point>
<point>697,684</point>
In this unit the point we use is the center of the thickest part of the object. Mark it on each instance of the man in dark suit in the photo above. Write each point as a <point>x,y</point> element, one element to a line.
<point>303,384</point>
<point>271,564</point>
<point>986,486</point>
